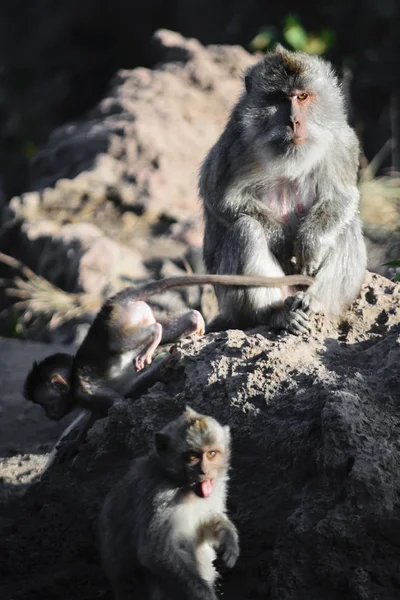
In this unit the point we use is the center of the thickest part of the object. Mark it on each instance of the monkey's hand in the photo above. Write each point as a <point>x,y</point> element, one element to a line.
<point>294,320</point>
<point>309,255</point>
<point>307,302</point>
<point>66,450</point>
<point>228,549</point>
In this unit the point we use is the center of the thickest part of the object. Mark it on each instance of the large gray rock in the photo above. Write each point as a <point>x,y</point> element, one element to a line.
<point>315,484</point>
<point>130,166</point>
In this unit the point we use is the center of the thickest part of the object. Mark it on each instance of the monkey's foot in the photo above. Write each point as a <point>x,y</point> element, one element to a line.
<point>294,321</point>
<point>145,357</point>
<point>197,323</point>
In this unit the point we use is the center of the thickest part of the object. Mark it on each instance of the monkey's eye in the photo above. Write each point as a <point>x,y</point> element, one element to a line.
<point>211,454</point>
<point>192,459</point>
<point>302,97</point>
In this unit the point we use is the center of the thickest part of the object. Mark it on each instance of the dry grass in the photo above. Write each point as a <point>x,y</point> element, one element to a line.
<point>37,296</point>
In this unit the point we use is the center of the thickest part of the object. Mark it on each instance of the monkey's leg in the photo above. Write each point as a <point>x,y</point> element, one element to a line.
<point>245,251</point>
<point>144,339</point>
<point>340,276</point>
<point>176,571</point>
<point>190,322</point>
<point>134,327</point>
<point>154,333</point>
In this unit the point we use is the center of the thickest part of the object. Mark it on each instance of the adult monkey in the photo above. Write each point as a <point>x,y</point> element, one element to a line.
<point>281,182</point>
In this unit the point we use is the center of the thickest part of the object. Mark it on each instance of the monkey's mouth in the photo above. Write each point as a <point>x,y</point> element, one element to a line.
<point>298,141</point>
<point>204,488</point>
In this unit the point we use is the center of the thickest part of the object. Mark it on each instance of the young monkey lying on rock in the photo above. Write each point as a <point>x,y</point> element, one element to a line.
<point>121,340</point>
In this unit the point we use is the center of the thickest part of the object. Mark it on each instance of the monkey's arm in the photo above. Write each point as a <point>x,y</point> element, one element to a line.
<point>319,231</point>
<point>226,542</point>
<point>95,407</point>
<point>66,448</point>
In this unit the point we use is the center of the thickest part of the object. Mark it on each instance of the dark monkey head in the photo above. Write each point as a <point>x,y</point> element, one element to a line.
<point>47,384</point>
<point>292,106</point>
<point>194,451</point>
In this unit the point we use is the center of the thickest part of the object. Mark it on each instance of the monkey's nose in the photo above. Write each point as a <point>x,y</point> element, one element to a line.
<point>294,122</point>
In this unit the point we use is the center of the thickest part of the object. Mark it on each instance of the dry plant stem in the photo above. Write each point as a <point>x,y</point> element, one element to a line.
<point>37,295</point>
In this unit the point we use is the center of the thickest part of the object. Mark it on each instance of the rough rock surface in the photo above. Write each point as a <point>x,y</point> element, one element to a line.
<point>315,485</point>
<point>130,166</point>
<point>114,195</point>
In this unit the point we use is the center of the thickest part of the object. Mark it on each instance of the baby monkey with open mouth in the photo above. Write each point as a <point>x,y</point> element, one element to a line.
<point>165,523</point>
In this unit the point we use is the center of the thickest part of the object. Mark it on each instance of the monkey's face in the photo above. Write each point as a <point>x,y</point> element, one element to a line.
<point>47,384</point>
<point>291,107</point>
<point>54,399</point>
<point>194,450</point>
<point>204,467</point>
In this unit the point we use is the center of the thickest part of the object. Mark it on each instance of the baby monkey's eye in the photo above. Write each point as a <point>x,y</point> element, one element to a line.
<point>211,454</point>
<point>303,96</point>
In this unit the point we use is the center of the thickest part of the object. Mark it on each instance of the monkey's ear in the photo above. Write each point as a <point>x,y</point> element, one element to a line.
<point>248,83</point>
<point>58,382</point>
<point>190,413</point>
<point>280,49</point>
<point>161,441</point>
<point>227,432</point>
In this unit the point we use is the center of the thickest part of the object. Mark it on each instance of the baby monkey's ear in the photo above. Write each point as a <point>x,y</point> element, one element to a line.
<point>59,384</point>
<point>191,414</point>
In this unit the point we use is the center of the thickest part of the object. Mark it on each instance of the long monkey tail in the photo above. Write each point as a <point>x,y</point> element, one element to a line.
<point>38,296</point>
<point>149,289</point>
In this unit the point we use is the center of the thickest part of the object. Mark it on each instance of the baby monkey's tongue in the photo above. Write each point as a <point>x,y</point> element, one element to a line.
<point>206,488</point>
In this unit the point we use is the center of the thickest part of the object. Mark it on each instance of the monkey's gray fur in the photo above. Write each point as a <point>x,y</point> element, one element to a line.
<point>157,536</point>
<point>271,194</point>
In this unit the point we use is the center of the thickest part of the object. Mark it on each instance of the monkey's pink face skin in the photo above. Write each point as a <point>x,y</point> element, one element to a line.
<point>205,468</point>
<point>300,101</point>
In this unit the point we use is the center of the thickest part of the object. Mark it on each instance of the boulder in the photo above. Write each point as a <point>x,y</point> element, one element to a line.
<point>315,484</point>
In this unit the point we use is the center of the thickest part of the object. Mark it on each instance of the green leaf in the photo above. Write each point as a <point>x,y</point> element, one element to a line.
<point>392,263</point>
<point>315,45</point>
<point>263,40</point>
<point>295,36</point>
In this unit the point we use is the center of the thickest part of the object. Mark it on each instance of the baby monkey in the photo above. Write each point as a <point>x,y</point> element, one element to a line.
<point>164,524</point>
<point>121,340</point>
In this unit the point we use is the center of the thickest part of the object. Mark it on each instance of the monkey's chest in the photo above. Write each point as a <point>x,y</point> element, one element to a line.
<point>288,202</point>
